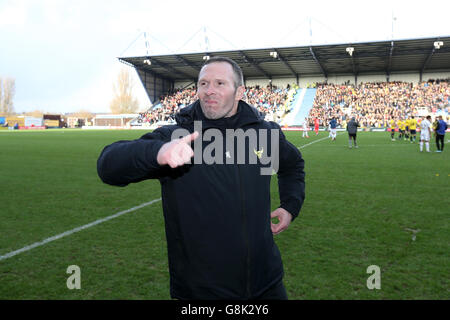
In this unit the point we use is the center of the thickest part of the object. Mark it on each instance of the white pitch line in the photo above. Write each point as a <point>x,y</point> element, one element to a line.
<point>321,139</point>
<point>376,145</point>
<point>68,233</point>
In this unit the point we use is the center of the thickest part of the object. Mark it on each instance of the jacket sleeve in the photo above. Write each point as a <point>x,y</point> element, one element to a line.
<point>125,162</point>
<point>291,177</point>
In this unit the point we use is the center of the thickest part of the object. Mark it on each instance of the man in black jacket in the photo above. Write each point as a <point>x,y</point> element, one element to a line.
<point>216,192</point>
<point>352,129</point>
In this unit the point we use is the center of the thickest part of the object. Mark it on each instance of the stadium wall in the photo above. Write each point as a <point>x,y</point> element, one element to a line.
<point>112,120</point>
<point>436,75</point>
<point>411,77</point>
<point>184,84</point>
<point>279,82</point>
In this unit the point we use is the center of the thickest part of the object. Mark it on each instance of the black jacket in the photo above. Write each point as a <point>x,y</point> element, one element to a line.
<point>217,216</point>
<point>352,126</point>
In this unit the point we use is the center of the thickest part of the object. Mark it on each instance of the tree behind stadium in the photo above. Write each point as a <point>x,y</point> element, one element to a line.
<point>7,91</point>
<point>123,100</point>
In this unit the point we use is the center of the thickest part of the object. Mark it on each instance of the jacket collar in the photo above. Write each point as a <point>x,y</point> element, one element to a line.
<point>245,115</point>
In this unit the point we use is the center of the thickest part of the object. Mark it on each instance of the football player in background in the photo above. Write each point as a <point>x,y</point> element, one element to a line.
<point>393,125</point>
<point>412,129</point>
<point>425,133</point>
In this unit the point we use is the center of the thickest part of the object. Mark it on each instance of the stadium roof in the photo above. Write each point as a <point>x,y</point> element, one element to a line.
<point>380,57</point>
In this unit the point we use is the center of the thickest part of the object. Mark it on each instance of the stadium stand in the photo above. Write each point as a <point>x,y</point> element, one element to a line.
<point>373,104</point>
<point>270,101</point>
<point>345,83</point>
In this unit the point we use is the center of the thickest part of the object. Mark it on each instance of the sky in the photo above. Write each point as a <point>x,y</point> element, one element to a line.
<point>63,54</point>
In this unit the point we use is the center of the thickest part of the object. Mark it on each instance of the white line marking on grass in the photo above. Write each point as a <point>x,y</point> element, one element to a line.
<point>308,144</point>
<point>68,233</point>
<point>374,145</point>
<point>321,139</point>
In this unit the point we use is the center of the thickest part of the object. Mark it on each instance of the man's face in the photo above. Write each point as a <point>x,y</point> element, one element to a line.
<point>216,90</point>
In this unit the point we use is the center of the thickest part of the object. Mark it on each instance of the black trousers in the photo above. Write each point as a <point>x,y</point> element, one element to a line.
<point>440,140</point>
<point>352,136</point>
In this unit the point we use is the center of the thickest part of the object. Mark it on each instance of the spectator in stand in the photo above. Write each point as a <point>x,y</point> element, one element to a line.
<point>267,100</point>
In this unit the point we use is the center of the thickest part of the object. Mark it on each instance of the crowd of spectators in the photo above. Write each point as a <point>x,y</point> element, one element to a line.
<point>268,100</point>
<point>169,105</point>
<point>374,104</point>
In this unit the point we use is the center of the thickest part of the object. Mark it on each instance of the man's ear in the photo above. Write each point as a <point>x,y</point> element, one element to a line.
<point>240,93</point>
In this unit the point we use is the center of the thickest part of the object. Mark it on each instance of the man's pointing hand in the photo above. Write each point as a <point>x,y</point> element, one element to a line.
<point>177,152</point>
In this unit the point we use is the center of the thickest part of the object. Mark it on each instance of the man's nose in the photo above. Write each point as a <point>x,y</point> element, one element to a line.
<point>210,90</point>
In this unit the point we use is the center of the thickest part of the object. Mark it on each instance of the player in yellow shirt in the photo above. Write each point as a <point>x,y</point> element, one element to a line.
<point>393,125</point>
<point>412,129</point>
<point>406,129</point>
<point>401,128</point>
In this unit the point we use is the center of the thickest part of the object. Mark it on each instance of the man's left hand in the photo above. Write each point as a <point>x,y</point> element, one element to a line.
<point>284,219</point>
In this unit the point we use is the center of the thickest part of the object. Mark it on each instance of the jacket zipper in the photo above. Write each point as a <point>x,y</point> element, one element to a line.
<point>245,227</point>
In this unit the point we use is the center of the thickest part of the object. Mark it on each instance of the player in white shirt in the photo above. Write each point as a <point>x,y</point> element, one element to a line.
<point>425,133</point>
<point>305,129</point>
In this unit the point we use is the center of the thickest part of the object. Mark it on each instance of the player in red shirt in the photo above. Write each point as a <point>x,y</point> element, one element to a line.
<point>316,126</point>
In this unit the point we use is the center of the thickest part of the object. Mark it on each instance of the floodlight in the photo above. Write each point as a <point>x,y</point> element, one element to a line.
<point>438,44</point>
<point>350,50</point>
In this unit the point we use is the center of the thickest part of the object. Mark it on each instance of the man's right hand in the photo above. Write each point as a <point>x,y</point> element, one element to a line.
<point>177,152</point>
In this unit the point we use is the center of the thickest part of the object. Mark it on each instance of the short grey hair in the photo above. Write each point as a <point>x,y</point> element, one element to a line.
<point>238,75</point>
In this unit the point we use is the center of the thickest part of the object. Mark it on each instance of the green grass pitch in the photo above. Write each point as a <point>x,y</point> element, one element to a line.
<point>363,207</point>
